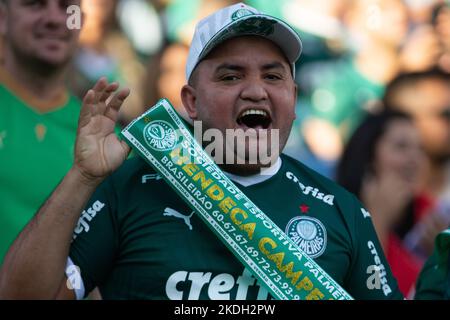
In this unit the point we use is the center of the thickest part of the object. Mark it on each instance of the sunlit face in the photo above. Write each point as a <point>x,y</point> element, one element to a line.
<point>36,31</point>
<point>243,83</point>
<point>399,151</point>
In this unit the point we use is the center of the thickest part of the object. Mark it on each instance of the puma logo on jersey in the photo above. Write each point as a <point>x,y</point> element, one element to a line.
<point>173,213</point>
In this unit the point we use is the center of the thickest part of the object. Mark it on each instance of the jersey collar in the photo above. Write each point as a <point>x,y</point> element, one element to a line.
<point>256,178</point>
<point>32,101</point>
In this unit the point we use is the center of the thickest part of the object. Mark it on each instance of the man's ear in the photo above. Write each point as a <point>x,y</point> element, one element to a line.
<point>295,99</point>
<point>188,97</point>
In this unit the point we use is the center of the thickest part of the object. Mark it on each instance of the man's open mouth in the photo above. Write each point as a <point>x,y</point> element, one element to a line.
<point>255,119</point>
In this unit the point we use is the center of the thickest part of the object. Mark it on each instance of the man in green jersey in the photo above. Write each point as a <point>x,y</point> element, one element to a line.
<point>133,237</point>
<point>38,117</point>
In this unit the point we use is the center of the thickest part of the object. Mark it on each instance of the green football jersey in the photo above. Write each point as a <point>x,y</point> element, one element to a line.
<point>434,279</point>
<point>137,239</point>
<point>36,150</point>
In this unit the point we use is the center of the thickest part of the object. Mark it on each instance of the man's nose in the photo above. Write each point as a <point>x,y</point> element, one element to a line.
<point>255,90</point>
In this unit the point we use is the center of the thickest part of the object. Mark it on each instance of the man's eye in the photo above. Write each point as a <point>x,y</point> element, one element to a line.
<point>35,3</point>
<point>231,77</point>
<point>273,77</point>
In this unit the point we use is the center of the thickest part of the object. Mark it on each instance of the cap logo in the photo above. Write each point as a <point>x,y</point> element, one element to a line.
<point>240,13</point>
<point>258,26</point>
<point>250,26</point>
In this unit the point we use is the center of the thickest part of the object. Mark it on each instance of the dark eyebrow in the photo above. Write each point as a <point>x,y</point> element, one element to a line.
<point>235,67</point>
<point>273,65</point>
<point>229,66</point>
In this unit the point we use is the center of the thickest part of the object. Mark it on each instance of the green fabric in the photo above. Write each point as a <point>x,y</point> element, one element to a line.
<point>36,150</point>
<point>443,248</point>
<point>126,245</point>
<point>434,279</point>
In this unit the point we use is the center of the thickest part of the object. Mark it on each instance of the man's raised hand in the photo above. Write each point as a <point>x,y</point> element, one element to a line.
<point>98,151</point>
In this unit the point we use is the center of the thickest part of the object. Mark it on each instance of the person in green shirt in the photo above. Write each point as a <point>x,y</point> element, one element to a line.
<point>38,117</point>
<point>117,225</point>
<point>434,279</point>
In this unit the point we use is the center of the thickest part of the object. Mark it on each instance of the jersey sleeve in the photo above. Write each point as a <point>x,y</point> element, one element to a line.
<point>369,276</point>
<point>95,238</point>
<point>434,279</point>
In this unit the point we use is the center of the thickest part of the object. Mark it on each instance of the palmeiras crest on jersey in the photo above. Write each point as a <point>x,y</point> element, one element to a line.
<point>309,234</point>
<point>160,135</point>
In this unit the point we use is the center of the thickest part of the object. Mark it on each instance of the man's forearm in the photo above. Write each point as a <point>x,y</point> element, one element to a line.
<point>34,266</point>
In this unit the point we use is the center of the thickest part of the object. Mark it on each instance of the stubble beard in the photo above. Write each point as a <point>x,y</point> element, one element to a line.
<point>38,65</point>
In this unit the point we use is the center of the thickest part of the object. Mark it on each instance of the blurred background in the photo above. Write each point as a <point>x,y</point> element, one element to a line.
<point>360,58</point>
<point>352,50</point>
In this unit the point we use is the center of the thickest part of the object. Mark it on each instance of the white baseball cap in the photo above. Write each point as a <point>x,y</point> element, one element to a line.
<point>240,20</point>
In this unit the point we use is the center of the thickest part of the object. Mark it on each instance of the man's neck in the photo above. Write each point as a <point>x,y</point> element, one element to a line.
<point>46,86</point>
<point>261,175</point>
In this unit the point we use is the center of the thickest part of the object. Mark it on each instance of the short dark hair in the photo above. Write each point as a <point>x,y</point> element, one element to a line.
<point>193,78</point>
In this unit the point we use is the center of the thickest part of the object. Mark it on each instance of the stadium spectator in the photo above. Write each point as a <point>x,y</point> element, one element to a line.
<point>38,116</point>
<point>426,97</point>
<point>381,164</point>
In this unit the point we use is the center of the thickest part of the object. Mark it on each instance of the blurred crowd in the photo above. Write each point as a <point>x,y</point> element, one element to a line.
<point>373,101</point>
